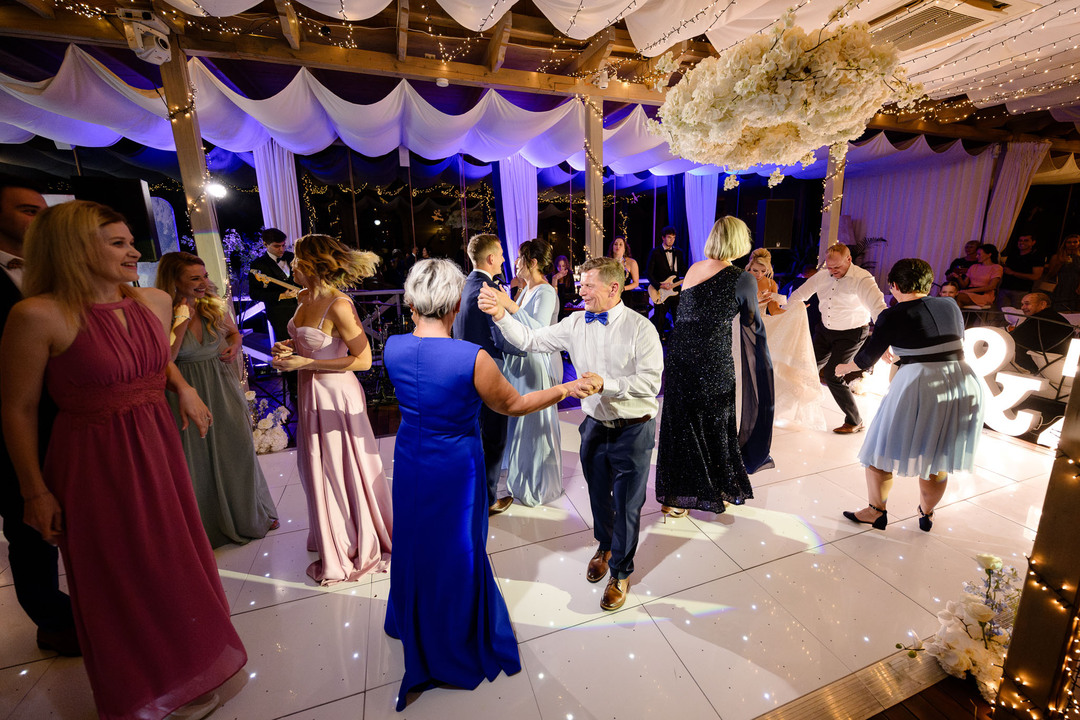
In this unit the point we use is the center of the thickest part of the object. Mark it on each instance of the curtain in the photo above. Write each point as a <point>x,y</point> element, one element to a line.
<point>700,211</point>
<point>275,171</point>
<point>517,202</point>
<point>1018,167</point>
<point>676,213</point>
<point>926,209</point>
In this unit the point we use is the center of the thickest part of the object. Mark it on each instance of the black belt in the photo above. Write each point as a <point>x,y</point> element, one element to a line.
<point>620,423</point>
<point>932,357</point>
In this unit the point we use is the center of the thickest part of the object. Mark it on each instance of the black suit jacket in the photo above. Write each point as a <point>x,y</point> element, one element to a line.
<point>475,325</point>
<point>660,269</point>
<point>279,311</point>
<point>9,295</point>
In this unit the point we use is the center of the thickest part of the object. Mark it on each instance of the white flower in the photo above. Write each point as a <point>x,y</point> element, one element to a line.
<point>731,182</point>
<point>265,424</point>
<point>989,562</point>
<point>249,395</point>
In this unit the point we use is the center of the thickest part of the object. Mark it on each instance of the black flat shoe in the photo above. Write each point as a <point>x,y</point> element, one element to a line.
<point>925,520</point>
<point>878,523</point>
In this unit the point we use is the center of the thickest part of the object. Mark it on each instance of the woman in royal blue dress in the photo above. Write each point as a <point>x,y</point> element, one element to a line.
<point>444,604</point>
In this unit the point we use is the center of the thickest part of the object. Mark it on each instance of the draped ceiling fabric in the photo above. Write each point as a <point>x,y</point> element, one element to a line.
<point>518,205</point>
<point>981,63</point>
<point>275,171</point>
<point>1018,167</point>
<point>1057,170</point>
<point>701,192</point>
<point>926,203</point>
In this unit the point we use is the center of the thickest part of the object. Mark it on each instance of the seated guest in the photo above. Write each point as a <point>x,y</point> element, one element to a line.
<point>980,284</point>
<point>1062,277</point>
<point>949,289</point>
<point>563,280</point>
<point>1021,270</point>
<point>1044,330</point>
<point>958,268</point>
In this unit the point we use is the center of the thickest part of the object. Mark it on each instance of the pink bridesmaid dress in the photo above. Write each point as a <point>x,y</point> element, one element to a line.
<point>349,504</point>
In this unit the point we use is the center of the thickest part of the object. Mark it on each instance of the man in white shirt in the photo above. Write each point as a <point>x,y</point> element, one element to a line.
<point>849,299</point>
<point>619,431</point>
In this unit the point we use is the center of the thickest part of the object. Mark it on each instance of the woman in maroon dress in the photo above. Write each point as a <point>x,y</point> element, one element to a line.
<point>115,494</point>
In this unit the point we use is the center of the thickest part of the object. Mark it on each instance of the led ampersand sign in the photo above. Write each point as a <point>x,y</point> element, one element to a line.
<point>987,350</point>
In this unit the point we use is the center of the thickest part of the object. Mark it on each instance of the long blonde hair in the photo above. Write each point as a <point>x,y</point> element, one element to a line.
<point>211,307</point>
<point>764,258</point>
<point>61,247</point>
<point>325,259</point>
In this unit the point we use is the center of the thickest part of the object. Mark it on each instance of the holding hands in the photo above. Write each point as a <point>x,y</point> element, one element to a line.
<point>586,385</point>
<point>284,358</point>
<point>494,301</point>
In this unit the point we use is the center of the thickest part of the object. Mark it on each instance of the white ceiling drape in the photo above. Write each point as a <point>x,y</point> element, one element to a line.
<point>1018,167</point>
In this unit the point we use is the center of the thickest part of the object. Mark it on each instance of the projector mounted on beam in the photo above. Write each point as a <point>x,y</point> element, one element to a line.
<point>146,34</point>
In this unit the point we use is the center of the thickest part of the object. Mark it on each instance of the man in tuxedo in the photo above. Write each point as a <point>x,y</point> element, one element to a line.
<point>280,302</point>
<point>33,561</point>
<point>474,325</point>
<point>666,261</point>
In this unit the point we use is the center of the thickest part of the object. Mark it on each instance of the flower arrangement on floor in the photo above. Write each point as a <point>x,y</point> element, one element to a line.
<point>777,97</point>
<point>269,426</point>
<point>976,631</point>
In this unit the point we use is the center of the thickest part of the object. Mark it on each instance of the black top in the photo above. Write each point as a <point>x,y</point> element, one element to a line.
<point>660,268</point>
<point>914,324</point>
<point>1023,264</point>
<point>1045,331</point>
<point>958,268</point>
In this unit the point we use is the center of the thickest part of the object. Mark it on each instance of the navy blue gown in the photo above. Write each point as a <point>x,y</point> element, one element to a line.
<point>444,605</point>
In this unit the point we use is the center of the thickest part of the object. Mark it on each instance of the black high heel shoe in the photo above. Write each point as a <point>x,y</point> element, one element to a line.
<point>925,520</point>
<point>878,523</point>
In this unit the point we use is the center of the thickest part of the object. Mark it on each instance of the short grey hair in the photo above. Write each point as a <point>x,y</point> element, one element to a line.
<point>433,288</point>
<point>729,239</point>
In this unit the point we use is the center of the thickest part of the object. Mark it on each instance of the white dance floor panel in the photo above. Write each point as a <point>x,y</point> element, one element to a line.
<point>729,616</point>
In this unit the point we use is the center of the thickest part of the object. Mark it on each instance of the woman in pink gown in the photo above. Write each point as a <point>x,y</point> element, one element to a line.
<point>349,504</point>
<point>115,494</point>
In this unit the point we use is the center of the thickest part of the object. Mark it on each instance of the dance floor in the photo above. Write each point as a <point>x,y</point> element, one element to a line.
<point>729,616</point>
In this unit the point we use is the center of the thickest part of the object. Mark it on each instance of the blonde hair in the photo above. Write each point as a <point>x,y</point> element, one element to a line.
<point>729,239</point>
<point>839,249</point>
<point>169,270</point>
<point>325,259</point>
<point>62,246</point>
<point>762,257</point>
<point>610,270</point>
<point>480,246</point>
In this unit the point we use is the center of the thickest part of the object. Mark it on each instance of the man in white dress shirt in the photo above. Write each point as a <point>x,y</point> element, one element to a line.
<point>619,431</point>
<point>849,299</point>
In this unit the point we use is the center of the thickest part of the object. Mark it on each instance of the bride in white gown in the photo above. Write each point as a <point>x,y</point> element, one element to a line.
<point>798,388</point>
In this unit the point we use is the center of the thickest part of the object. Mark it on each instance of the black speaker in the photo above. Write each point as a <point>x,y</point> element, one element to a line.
<point>130,198</point>
<point>775,223</point>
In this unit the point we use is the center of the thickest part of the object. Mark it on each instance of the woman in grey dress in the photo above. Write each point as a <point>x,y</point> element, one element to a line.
<point>234,501</point>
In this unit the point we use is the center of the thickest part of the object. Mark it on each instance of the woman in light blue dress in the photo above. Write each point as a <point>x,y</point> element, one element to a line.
<point>533,455</point>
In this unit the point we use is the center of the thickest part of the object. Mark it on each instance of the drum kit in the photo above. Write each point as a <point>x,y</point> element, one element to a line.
<point>381,319</point>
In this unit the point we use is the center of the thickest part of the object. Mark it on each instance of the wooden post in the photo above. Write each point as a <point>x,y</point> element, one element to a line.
<point>594,177</point>
<point>1046,637</point>
<point>180,100</point>
<point>832,200</point>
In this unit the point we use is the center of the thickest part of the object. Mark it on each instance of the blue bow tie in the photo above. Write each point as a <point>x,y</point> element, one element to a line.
<point>601,316</point>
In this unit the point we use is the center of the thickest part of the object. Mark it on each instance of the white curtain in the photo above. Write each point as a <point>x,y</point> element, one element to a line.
<point>1018,167</point>
<point>275,171</point>
<point>518,204</point>
<point>927,208</point>
<point>700,211</point>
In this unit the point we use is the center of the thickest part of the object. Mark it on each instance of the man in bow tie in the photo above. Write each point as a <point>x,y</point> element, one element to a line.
<point>486,253</point>
<point>666,261</point>
<point>280,302</point>
<point>619,431</point>
<point>33,561</point>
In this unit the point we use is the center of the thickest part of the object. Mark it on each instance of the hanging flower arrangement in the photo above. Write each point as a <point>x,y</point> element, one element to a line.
<point>777,97</point>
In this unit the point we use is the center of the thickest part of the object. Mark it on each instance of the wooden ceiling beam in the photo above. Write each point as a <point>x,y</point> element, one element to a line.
<point>19,22</point>
<point>290,24</point>
<point>41,8</point>
<point>402,30</point>
<point>965,132</point>
<point>593,56</point>
<point>496,49</point>
<point>170,16</point>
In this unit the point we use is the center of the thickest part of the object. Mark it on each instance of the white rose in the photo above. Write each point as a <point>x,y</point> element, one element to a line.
<point>988,562</point>
<point>249,395</point>
<point>265,424</point>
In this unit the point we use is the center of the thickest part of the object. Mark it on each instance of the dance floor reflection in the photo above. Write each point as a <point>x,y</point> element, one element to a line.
<point>729,616</point>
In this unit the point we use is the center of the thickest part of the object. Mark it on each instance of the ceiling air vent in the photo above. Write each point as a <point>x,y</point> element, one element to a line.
<point>925,23</point>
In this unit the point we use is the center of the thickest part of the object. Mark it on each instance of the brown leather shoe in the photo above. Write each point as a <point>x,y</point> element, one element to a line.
<point>849,429</point>
<point>598,566</point>
<point>63,642</point>
<point>501,505</point>
<point>615,594</point>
